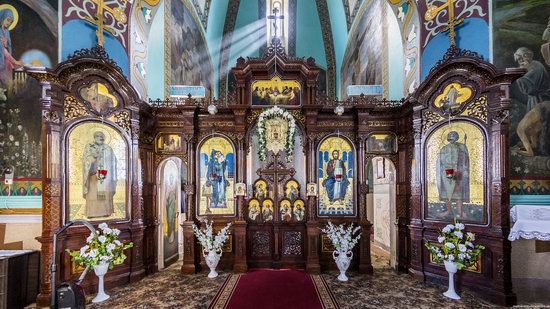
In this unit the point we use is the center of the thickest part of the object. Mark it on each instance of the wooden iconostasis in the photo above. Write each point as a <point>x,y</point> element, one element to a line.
<point>173,164</point>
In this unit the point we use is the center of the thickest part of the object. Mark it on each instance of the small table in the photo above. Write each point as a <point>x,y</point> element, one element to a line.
<point>531,222</point>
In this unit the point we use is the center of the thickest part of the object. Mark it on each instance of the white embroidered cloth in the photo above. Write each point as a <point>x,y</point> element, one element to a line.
<point>531,222</point>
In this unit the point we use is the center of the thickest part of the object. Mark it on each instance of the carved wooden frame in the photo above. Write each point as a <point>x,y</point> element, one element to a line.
<point>201,142</point>
<point>86,66</point>
<point>355,174</point>
<point>491,84</point>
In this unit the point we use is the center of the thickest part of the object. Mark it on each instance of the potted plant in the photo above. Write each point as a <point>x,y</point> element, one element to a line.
<point>455,248</point>
<point>212,245</point>
<point>102,252</point>
<point>343,241</point>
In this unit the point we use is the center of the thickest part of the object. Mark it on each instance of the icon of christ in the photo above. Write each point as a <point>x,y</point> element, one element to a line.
<point>337,182</point>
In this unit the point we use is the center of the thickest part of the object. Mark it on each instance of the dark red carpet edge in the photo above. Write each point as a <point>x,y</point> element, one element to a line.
<point>274,289</point>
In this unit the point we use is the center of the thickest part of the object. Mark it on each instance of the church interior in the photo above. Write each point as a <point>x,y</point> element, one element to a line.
<point>274,153</point>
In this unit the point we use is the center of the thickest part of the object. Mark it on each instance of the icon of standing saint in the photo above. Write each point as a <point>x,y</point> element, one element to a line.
<point>217,179</point>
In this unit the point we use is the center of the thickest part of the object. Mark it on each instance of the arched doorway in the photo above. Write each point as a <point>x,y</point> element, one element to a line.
<point>381,211</point>
<point>170,207</point>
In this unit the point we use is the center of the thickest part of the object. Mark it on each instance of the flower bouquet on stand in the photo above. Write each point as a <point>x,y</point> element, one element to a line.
<point>343,241</point>
<point>102,252</point>
<point>454,248</point>
<point>212,245</point>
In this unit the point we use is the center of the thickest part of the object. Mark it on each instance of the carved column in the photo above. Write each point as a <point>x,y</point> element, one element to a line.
<point>239,236</point>
<point>365,265</point>
<point>137,229</point>
<point>51,178</point>
<point>239,227</point>
<point>190,264</point>
<point>405,140</point>
<point>312,225</point>
<point>415,227</point>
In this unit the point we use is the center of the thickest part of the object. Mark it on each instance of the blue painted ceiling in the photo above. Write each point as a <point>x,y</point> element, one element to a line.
<point>250,27</point>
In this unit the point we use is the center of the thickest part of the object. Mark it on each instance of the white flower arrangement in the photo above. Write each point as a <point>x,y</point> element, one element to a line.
<point>342,238</point>
<point>102,246</point>
<point>275,112</point>
<point>207,239</point>
<point>455,245</point>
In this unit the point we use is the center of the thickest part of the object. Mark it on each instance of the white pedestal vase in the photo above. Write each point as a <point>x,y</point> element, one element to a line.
<point>451,269</point>
<point>342,261</point>
<point>212,259</point>
<point>100,271</point>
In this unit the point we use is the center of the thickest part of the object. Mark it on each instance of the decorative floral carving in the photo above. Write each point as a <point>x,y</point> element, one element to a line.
<point>252,117</point>
<point>334,123</point>
<point>500,116</point>
<point>51,116</point>
<point>73,109</point>
<point>429,119</point>
<point>477,109</point>
<point>97,51</point>
<point>297,114</point>
<point>122,119</point>
<point>292,243</point>
<point>261,244</point>
<point>276,48</point>
<point>455,52</point>
<point>378,123</point>
<point>45,77</point>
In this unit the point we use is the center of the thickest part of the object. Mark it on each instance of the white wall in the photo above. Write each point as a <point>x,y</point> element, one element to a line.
<point>23,228</point>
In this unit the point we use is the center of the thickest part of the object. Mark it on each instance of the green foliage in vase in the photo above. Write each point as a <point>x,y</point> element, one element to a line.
<point>102,246</point>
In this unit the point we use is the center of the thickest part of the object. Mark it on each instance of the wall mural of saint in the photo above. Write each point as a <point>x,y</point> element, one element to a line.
<point>454,171</point>
<point>217,172</point>
<point>25,39</point>
<point>521,38</point>
<point>169,199</point>
<point>336,177</point>
<point>97,159</point>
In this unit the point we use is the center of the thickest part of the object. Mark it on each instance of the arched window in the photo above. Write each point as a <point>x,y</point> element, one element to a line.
<point>277,19</point>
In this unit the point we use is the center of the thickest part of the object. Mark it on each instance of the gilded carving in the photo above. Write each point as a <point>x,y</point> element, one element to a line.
<point>122,119</point>
<point>332,123</point>
<point>379,123</point>
<point>429,119</point>
<point>253,115</point>
<point>45,77</point>
<point>326,244</point>
<point>217,124</point>
<point>478,109</point>
<point>73,109</point>
<point>171,124</point>
<point>298,116</point>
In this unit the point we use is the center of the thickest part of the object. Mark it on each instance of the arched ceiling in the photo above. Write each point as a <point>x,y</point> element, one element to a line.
<point>317,28</point>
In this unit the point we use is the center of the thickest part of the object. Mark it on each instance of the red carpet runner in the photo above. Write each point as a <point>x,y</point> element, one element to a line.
<point>269,288</point>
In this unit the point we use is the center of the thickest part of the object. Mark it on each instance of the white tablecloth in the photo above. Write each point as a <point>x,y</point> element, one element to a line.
<point>531,222</point>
